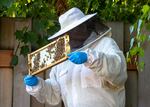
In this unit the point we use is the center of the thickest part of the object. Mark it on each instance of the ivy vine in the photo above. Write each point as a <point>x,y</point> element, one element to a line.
<point>139,38</point>
<point>44,15</point>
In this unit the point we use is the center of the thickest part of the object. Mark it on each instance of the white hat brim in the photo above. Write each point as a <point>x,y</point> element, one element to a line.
<point>71,26</point>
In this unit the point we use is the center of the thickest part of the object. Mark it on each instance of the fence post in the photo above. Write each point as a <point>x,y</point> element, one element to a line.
<point>132,81</point>
<point>5,78</point>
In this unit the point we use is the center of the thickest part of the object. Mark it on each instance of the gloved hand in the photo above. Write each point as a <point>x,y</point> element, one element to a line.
<point>78,57</point>
<point>30,80</point>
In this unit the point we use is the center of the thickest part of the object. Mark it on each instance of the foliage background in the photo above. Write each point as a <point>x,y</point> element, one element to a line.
<point>44,15</point>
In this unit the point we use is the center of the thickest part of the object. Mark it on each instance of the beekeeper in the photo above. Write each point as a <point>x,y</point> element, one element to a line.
<point>94,74</point>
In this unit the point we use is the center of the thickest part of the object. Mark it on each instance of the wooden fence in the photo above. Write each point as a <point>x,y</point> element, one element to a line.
<point>12,89</point>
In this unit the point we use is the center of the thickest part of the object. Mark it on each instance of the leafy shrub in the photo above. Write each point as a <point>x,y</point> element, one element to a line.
<point>44,14</point>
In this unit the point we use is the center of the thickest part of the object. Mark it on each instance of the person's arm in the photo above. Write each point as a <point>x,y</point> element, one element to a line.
<point>109,63</point>
<point>46,90</point>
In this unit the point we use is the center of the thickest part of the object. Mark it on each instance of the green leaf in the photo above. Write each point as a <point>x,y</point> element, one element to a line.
<point>143,37</point>
<point>32,37</point>
<point>128,58</point>
<point>145,9</point>
<point>134,51</point>
<point>42,41</point>
<point>14,60</point>
<point>40,25</point>
<point>29,1</point>
<point>51,23</point>
<point>131,28</point>
<point>139,26</point>
<point>24,50</point>
<point>132,42</point>
<point>141,52</point>
<point>25,38</point>
<point>19,34</point>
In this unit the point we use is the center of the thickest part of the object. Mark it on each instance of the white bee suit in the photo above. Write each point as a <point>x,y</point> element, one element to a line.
<point>97,83</point>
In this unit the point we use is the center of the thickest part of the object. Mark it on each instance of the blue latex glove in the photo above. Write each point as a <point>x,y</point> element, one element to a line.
<point>78,57</point>
<point>30,80</point>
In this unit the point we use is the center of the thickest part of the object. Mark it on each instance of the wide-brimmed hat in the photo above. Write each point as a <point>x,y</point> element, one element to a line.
<point>71,19</point>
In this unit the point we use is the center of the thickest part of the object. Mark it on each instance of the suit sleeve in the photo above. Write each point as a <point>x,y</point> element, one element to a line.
<point>108,62</point>
<point>47,90</point>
